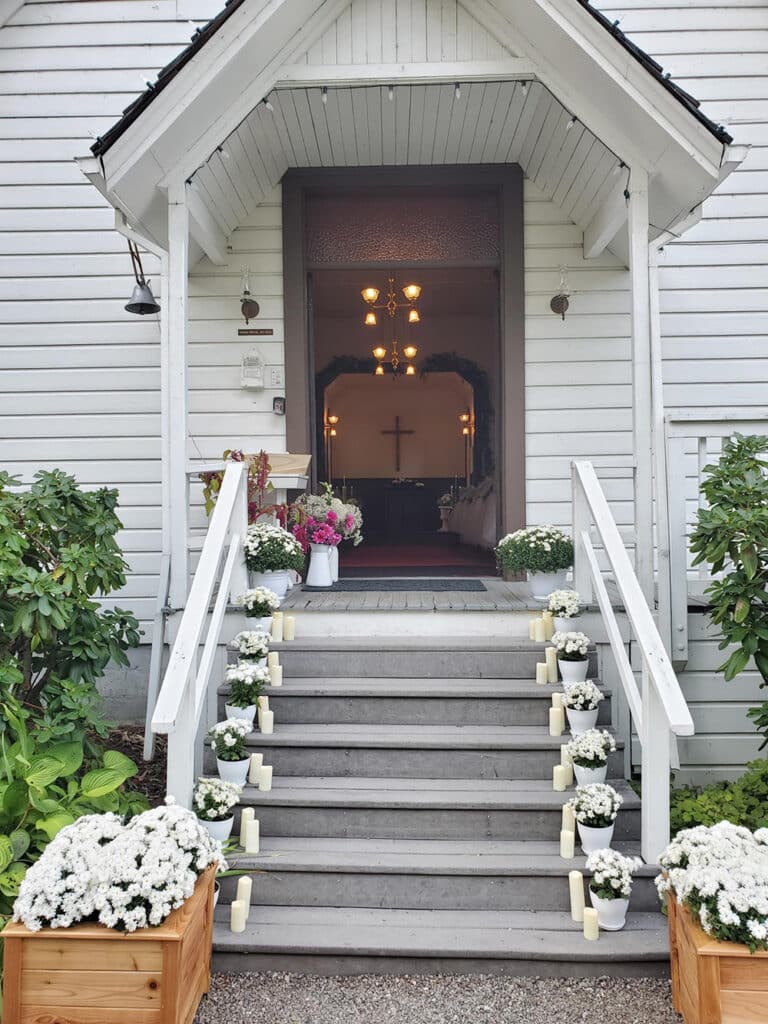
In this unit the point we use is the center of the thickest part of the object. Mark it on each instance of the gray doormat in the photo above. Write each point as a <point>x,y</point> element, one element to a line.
<point>362,586</point>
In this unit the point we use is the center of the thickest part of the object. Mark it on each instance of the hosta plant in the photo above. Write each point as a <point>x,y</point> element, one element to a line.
<point>214,799</point>
<point>596,805</point>
<point>582,696</point>
<point>612,874</point>
<point>565,604</point>
<point>252,644</point>
<point>246,682</point>
<point>535,549</point>
<point>592,748</point>
<point>259,602</point>
<point>228,739</point>
<point>571,646</point>
<point>270,548</point>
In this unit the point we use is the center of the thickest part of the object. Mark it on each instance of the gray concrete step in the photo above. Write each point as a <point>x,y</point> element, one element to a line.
<point>412,808</point>
<point>410,701</point>
<point>419,874</point>
<point>333,940</point>
<point>424,751</point>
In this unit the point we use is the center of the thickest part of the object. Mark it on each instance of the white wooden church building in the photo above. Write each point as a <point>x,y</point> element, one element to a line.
<point>504,153</point>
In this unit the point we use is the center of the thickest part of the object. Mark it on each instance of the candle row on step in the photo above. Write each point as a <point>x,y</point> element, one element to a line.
<point>543,628</point>
<point>241,906</point>
<point>259,774</point>
<point>275,669</point>
<point>546,671</point>
<point>283,627</point>
<point>249,830</point>
<point>580,912</point>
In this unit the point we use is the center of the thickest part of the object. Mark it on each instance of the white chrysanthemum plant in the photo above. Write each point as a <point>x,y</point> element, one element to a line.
<point>228,742</point>
<point>720,874</point>
<point>545,553</point>
<point>252,645</point>
<point>272,554</point>
<point>572,648</point>
<point>125,876</point>
<point>589,753</point>
<point>582,705</point>
<point>611,886</point>
<point>259,603</point>
<point>214,801</point>
<point>565,606</point>
<point>246,682</point>
<point>595,808</point>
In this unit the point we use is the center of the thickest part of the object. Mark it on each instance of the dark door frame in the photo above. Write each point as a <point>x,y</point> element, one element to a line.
<point>504,179</point>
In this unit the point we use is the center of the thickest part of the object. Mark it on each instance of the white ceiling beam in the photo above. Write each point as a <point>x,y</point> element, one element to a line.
<point>606,223</point>
<point>205,229</point>
<point>315,76</point>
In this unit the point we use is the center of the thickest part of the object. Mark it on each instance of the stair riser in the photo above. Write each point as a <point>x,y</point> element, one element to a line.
<point>375,762</point>
<point>429,664</point>
<point>429,823</point>
<point>421,892</point>
<point>414,710</point>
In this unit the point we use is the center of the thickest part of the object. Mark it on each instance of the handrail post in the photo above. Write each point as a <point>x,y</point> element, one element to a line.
<point>582,521</point>
<point>654,812</point>
<point>238,526</point>
<point>180,770</point>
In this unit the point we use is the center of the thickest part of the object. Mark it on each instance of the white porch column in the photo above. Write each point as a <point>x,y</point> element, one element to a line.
<point>178,491</point>
<point>642,411</point>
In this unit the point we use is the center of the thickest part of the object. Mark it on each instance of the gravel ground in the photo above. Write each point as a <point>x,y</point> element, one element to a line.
<point>479,999</point>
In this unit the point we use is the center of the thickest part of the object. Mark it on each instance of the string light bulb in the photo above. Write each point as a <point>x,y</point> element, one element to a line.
<point>524,88</point>
<point>457,91</point>
<point>571,123</point>
<point>390,93</point>
<point>324,94</point>
<point>268,105</point>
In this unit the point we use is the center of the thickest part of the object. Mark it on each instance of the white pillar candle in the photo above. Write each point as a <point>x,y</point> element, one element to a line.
<point>244,888</point>
<point>252,836</point>
<point>246,816</point>
<point>551,655</point>
<point>237,916</point>
<point>265,777</point>
<point>253,770</point>
<point>568,769</point>
<point>569,819</point>
<point>576,885</point>
<point>549,624</point>
<point>591,927</point>
<point>539,631</point>
<point>266,721</point>
<point>567,844</point>
<point>273,659</point>
<point>557,702</point>
<point>541,673</point>
<point>276,675</point>
<point>559,778</point>
<point>263,702</point>
<point>556,721</point>
<point>289,627</point>
<point>277,627</point>
<point>532,629</point>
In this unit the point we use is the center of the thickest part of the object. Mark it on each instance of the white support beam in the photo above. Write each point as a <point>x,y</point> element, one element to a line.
<point>205,229</point>
<point>642,407</point>
<point>7,10</point>
<point>606,223</point>
<point>306,76</point>
<point>177,313</point>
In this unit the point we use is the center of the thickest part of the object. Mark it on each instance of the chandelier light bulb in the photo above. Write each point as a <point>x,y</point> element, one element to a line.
<point>332,432</point>
<point>410,351</point>
<point>333,419</point>
<point>379,352</point>
<point>464,417</point>
<point>379,371</point>
<point>410,370</point>
<point>370,319</point>
<point>370,295</point>
<point>412,292</point>
<point>465,431</point>
<point>413,316</point>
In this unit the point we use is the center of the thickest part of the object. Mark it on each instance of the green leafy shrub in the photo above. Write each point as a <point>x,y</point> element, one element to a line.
<point>743,802</point>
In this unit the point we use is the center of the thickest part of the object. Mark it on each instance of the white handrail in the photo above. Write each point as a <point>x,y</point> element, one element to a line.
<point>182,695</point>
<point>660,707</point>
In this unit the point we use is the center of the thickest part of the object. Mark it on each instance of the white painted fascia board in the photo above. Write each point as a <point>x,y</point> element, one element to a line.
<point>7,10</point>
<point>205,229</point>
<point>437,73</point>
<point>277,29</point>
<point>124,217</point>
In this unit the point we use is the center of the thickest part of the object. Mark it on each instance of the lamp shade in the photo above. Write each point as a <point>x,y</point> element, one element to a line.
<point>370,319</point>
<point>413,316</point>
<point>379,371</point>
<point>410,370</point>
<point>379,352</point>
<point>142,301</point>
<point>412,292</point>
<point>370,294</point>
<point>410,351</point>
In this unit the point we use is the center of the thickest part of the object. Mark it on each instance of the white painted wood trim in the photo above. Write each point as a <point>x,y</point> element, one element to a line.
<point>311,75</point>
<point>206,230</point>
<point>8,8</point>
<point>606,222</point>
<point>156,655</point>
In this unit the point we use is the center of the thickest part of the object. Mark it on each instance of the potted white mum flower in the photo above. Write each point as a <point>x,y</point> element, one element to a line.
<point>228,742</point>
<point>589,752</point>
<point>595,808</point>
<point>545,553</point>
<point>572,655</point>
<point>272,554</point>
<point>213,802</point>
<point>259,603</point>
<point>246,681</point>
<point>581,702</point>
<point>252,645</point>
<point>565,607</point>
<point>611,886</point>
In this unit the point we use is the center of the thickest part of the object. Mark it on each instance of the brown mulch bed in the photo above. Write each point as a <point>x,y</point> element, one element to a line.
<point>129,740</point>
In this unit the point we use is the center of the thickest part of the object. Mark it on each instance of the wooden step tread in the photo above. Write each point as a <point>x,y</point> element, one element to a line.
<point>422,737</point>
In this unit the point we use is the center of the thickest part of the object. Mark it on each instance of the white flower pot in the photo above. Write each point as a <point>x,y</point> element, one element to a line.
<point>445,518</point>
<point>543,583</point>
<point>263,624</point>
<point>319,574</point>
<point>235,712</point>
<point>611,914</point>
<point>581,721</point>
<point>333,556</point>
<point>219,830</point>
<point>278,581</point>
<point>595,838</point>
<point>586,776</point>
<point>564,625</point>
<point>233,771</point>
<point>573,671</point>
<point>258,662</point>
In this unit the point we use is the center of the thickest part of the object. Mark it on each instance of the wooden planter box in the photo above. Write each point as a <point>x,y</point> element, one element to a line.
<point>714,982</point>
<point>89,974</point>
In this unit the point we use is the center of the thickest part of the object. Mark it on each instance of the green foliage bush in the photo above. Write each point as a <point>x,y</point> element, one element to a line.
<point>743,802</point>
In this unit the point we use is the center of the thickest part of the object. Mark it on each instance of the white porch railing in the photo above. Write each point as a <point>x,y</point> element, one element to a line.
<point>184,690</point>
<point>658,708</point>
<point>693,441</point>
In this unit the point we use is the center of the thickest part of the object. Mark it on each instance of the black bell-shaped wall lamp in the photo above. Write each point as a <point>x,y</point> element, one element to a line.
<point>142,301</point>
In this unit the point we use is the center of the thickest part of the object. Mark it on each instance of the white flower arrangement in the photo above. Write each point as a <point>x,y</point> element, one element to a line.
<point>571,646</point>
<point>720,872</point>
<point>252,643</point>
<point>535,549</point>
<point>259,602</point>
<point>596,805</point>
<point>125,876</point>
<point>228,739</point>
<point>214,799</point>
<point>582,696</point>
<point>612,874</point>
<point>269,548</point>
<point>565,604</point>
<point>592,748</point>
<point>246,681</point>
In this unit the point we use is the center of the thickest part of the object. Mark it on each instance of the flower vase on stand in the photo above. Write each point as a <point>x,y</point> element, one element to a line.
<point>319,574</point>
<point>333,556</point>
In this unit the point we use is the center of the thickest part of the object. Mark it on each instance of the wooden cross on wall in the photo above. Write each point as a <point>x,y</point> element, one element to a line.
<point>397,433</point>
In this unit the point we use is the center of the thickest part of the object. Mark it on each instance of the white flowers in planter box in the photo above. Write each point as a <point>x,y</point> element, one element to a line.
<point>126,876</point>
<point>214,799</point>
<point>720,872</point>
<point>572,646</point>
<point>259,602</point>
<point>612,874</point>
<point>228,739</point>
<point>591,748</point>
<point>252,644</point>
<point>565,604</point>
<point>596,805</point>
<point>582,696</point>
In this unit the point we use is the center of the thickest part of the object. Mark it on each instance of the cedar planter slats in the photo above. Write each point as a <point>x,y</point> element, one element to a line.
<point>89,974</point>
<point>714,982</point>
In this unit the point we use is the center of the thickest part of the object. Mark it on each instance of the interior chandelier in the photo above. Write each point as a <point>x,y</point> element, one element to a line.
<point>393,357</point>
